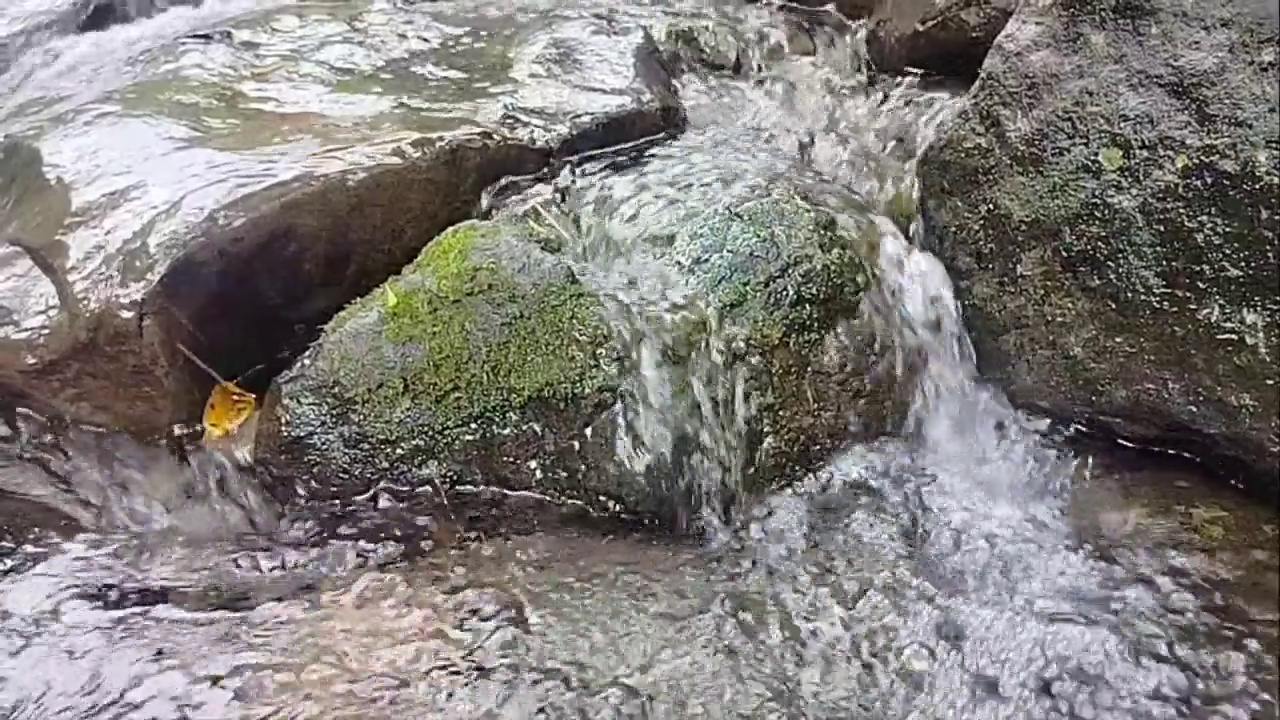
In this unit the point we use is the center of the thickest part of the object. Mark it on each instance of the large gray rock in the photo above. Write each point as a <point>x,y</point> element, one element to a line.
<point>1108,203</point>
<point>269,269</point>
<point>490,361</point>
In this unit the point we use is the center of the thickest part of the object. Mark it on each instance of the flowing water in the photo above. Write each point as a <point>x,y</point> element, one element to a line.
<point>973,567</point>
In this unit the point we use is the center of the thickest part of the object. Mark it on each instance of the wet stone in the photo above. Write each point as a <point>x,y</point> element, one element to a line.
<point>1122,274</point>
<point>575,85</point>
<point>583,84</point>
<point>493,360</point>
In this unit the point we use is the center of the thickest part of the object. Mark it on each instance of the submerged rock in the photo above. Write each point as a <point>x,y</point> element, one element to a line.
<point>491,361</point>
<point>33,209</point>
<point>1108,204</point>
<point>45,377</point>
<point>95,15</point>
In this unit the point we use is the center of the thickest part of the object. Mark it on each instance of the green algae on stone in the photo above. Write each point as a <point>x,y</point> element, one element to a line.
<point>480,366</point>
<point>779,266</point>
<point>487,361</point>
<point>487,335</point>
<point>485,324</point>
<point>785,275</point>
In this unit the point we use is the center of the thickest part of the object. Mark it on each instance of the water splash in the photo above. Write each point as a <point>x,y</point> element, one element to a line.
<point>688,413</point>
<point>112,483</point>
<point>685,411</point>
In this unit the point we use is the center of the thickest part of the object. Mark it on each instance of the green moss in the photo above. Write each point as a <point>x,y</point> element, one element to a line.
<point>479,345</point>
<point>779,268</point>
<point>1112,159</point>
<point>447,261</point>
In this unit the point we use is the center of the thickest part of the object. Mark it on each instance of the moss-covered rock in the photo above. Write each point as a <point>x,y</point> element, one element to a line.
<point>785,276</point>
<point>489,360</point>
<point>1108,204</point>
<point>265,271</point>
<point>485,357</point>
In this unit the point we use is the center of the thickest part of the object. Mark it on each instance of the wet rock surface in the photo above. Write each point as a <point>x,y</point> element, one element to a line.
<point>581,87</point>
<point>33,209</point>
<point>950,39</point>
<point>1108,204</point>
<point>226,301</point>
<point>591,83</point>
<point>62,375</point>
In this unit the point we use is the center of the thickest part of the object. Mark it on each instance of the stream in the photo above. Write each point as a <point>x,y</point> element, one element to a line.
<point>982,564</point>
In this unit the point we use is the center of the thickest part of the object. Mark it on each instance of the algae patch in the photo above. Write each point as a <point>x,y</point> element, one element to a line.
<point>780,267</point>
<point>478,337</point>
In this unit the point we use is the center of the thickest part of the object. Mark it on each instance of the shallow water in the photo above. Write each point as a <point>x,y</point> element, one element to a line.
<point>973,568</point>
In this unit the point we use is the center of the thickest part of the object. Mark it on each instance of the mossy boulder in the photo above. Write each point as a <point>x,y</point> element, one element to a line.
<point>1108,203</point>
<point>492,360</point>
<point>485,358</point>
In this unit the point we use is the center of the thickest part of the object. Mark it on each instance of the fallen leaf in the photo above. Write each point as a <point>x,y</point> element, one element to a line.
<point>227,408</point>
<point>392,298</point>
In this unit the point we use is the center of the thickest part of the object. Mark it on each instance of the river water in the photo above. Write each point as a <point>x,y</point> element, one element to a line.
<point>980,565</point>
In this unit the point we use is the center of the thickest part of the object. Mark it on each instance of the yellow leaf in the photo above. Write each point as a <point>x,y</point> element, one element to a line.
<point>227,408</point>
<point>392,298</point>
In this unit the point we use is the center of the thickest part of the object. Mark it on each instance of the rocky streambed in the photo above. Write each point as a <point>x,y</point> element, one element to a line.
<point>606,369</point>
